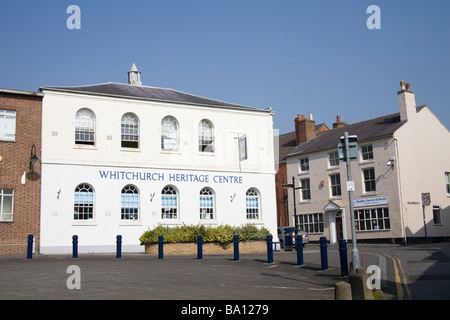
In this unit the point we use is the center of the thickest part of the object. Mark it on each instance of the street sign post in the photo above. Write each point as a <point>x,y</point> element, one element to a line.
<point>349,148</point>
<point>293,187</point>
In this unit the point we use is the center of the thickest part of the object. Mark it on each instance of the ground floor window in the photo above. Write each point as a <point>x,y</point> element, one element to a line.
<point>129,203</point>
<point>311,223</point>
<point>206,204</point>
<point>6,204</point>
<point>372,219</point>
<point>252,203</point>
<point>437,215</point>
<point>169,203</point>
<point>83,202</point>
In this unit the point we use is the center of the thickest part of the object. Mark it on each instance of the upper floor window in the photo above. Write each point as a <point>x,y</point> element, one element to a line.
<point>369,180</point>
<point>169,134</point>
<point>169,203</point>
<point>129,203</point>
<point>130,131</point>
<point>252,204</point>
<point>85,127</point>
<point>306,189</point>
<point>333,159</point>
<point>304,164</point>
<point>6,204</point>
<point>83,208</point>
<point>206,204</point>
<point>335,184</point>
<point>7,125</point>
<point>367,152</point>
<point>205,136</point>
<point>447,182</point>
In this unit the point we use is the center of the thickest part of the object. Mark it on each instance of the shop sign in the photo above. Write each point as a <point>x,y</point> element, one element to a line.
<point>372,201</point>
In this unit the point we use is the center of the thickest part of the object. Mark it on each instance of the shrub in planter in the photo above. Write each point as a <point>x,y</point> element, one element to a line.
<point>222,234</point>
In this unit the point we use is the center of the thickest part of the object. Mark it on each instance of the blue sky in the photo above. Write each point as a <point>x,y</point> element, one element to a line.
<point>296,56</point>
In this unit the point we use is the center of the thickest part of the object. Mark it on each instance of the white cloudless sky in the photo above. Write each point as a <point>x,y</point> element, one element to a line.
<point>295,56</point>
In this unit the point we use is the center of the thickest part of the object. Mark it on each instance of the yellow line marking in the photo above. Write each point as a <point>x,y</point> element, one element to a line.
<point>400,281</point>
<point>405,282</point>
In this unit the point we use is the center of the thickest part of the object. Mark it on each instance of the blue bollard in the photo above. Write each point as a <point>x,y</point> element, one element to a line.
<point>236,247</point>
<point>299,248</point>
<point>343,256</point>
<point>160,247</point>
<point>74,246</point>
<point>30,247</point>
<point>119,247</point>
<point>269,249</point>
<point>323,253</point>
<point>200,246</point>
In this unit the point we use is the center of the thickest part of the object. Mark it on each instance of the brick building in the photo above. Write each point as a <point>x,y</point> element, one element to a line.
<point>20,178</point>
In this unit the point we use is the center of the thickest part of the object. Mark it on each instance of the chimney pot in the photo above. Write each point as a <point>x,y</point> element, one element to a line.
<point>402,85</point>
<point>408,86</point>
<point>338,119</point>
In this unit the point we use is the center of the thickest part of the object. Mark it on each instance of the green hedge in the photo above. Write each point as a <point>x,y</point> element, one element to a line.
<point>221,234</point>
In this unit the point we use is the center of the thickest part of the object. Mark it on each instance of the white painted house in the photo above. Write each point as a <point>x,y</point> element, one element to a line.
<point>402,159</point>
<point>120,158</point>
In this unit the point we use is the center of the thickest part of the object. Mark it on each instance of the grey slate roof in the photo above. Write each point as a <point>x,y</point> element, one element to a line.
<point>149,93</point>
<point>365,130</point>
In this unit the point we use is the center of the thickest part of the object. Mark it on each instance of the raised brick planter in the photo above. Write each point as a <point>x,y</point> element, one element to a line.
<point>208,248</point>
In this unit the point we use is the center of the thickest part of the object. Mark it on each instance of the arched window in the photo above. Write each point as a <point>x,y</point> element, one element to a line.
<point>169,134</point>
<point>83,207</point>
<point>130,131</point>
<point>129,203</point>
<point>205,136</point>
<point>85,127</point>
<point>252,204</point>
<point>206,204</point>
<point>169,203</point>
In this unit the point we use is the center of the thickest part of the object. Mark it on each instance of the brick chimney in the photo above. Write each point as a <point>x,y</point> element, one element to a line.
<point>338,123</point>
<point>406,102</point>
<point>305,129</point>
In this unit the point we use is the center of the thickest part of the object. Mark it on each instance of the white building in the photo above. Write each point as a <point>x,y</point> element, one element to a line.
<point>401,159</point>
<point>120,158</point>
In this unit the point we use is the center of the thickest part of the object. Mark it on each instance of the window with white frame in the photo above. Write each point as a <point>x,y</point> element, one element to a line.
<point>333,159</point>
<point>311,223</point>
<point>85,127</point>
<point>6,204</point>
<point>206,204</point>
<point>83,208</point>
<point>306,189</point>
<point>7,125</point>
<point>367,152</point>
<point>369,180</point>
<point>169,134</point>
<point>130,131</point>
<point>252,204</point>
<point>437,215</point>
<point>372,219</point>
<point>205,136</point>
<point>169,203</point>
<point>335,185</point>
<point>447,182</point>
<point>304,164</point>
<point>129,203</point>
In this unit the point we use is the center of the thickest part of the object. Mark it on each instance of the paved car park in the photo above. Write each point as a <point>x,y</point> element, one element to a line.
<point>407,272</point>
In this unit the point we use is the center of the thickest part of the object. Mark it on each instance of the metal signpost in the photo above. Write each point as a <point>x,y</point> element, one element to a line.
<point>348,151</point>
<point>292,186</point>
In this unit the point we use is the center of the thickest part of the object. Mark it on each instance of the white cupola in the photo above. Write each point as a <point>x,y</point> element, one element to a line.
<point>134,76</point>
